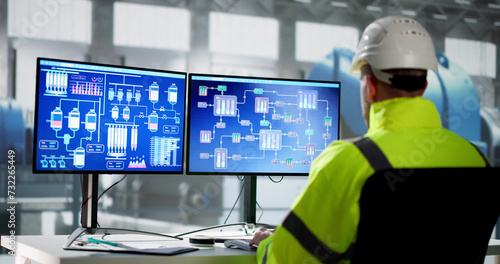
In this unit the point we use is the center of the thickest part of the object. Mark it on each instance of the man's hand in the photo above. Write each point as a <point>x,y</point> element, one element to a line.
<point>260,235</point>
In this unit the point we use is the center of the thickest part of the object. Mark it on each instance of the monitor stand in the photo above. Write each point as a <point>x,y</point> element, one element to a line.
<point>250,204</point>
<point>250,199</point>
<point>88,218</point>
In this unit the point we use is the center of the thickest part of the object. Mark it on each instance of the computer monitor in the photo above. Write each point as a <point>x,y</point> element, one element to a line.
<point>95,118</point>
<point>259,126</point>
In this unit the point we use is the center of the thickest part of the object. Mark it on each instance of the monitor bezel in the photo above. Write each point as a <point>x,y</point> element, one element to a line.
<point>234,173</point>
<point>72,171</point>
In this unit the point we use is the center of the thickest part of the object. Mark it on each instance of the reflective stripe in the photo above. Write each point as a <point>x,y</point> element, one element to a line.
<point>264,259</point>
<point>373,154</point>
<point>311,243</point>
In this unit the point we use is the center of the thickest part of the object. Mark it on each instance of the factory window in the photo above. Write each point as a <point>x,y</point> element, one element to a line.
<point>50,20</point>
<point>148,26</point>
<point>313,40</point>
<point>479,60</point>
<point>243,35</point>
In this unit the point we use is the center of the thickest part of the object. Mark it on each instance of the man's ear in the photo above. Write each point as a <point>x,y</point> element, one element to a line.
<point>372,88</point>
<point>423,89</point>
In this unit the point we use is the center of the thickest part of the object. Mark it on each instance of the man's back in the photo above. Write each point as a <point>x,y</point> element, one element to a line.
<point>410,135</point>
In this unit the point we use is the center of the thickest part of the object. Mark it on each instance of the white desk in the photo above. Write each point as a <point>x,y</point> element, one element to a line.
<point>494,249</point>
<point>48,250</point>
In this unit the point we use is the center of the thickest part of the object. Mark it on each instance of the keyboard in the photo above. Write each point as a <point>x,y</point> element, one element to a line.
<point>239,243</point>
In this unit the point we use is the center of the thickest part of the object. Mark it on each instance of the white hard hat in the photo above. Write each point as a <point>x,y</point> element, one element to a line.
<point>395,42</point>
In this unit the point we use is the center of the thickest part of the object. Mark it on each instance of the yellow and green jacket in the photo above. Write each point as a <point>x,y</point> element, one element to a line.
<point>323,221</point>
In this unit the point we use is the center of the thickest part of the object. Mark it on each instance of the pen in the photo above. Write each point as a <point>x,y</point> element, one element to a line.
<point>97,241</point>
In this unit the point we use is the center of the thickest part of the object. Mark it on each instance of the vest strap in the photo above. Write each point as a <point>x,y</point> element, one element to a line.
<point>488,165</point>
<point>373,154</point>
<point>377,158</point>
<point>311,243</point>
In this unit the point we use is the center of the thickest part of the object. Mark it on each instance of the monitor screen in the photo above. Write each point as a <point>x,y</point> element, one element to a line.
<point>95,118</point>
<point>258,126</point>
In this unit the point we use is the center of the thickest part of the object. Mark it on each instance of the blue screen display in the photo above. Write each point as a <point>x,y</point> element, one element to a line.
<point>108,119</point>
<point>244,125</point>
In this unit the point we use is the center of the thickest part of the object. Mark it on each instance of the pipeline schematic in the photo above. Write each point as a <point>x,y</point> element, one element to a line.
<point>108,119</point>
<point>245,125</point>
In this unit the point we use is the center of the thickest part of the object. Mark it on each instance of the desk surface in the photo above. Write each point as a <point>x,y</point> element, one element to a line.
<point>493,247</point>
<point>48,249</point>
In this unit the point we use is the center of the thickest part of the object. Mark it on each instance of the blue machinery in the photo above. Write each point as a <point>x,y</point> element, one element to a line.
<point>13,131</point>
<point>452,91</point>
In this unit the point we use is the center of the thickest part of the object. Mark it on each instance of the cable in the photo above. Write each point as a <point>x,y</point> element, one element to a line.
<point>262,211</point>
<point>258,205</point>
<point>278,181</point>
<point>112,185</point>
<point>99,197</point>
<point>235,202</point>
<point>209,228</point>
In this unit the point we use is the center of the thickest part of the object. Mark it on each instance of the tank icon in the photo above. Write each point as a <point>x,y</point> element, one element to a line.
<point>137,96</point>
<point>56,118</point>
<point>119,94</point>
<point>153,122</point>
<point>114,112</point>
<point>154,91</point>
<point>79,157</point>
<point>91,121</point>
<point>74,119</point>
<point>172,94</point>
<point>129,96</point>
<point>111,94</point>
<point>126,113</point>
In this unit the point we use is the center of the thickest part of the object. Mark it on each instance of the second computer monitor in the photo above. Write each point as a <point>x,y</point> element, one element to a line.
<point>259,126</point>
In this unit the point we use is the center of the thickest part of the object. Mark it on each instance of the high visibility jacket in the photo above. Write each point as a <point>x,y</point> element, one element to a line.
<point>323,221</point>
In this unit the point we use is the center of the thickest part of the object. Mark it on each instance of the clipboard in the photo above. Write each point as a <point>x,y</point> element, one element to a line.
<point>106,246</point>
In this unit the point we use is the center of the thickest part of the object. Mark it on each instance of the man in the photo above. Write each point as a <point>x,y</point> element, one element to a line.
<point>393,57</point>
